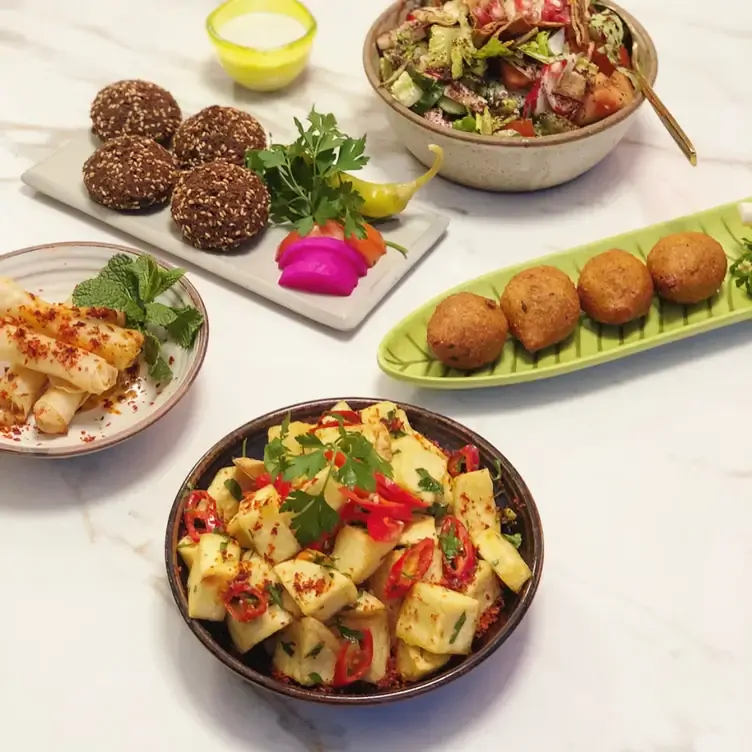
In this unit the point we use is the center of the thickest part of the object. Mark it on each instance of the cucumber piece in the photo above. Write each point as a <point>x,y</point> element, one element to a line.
<point>451,107</point>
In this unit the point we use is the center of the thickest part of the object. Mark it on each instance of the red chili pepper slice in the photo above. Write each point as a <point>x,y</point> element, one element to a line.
<point>409,568</point>
<point>281,485</point>
<point>353,660</point>
<point>339,458</point>
<point>201,508</point>
<point>465,460</point>
<point>262,481</point>
<point>348,418</point>
<point>244,601</point>
<point>379,506</point>
<point>460,567</point>
<point>383,529</point>
<point>388,490</point>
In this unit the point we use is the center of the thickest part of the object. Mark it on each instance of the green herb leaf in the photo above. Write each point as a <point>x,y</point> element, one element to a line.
<point>168,278</point>
<point>438,510</point>
<point>309,441</point>
<point>451,545</point>
<point>467,124</point>
<point>741,269</point>
<point>185,327</point>
<point>313,516</point>
<point>159,314</point>
<point>159,370</point>
<point>146,271</point>
<point>394,425</point>
<point>306,465</point>
<point>275,594</point>
<point>289,648</point>
<point>457,627</point>
<point>314,677</point>
<point>354,635</point>
<point>495,48</point>
<point>538,48</point>
<point>497,474</point>
<point>427,482</point>
<point>234,488</point>
<point>515,540</point>
<point>223,545</point>
<point>275,458</point>
<point>315,650</point>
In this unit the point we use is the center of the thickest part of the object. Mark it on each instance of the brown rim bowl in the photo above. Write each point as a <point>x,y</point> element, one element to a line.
<point>501,164</point>
<point>254,667</point>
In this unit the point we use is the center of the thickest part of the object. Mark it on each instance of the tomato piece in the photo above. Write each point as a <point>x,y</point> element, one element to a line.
<point>354,659</point>
<point>409,568</point>
<point>374,504</point>
<point>388,490</point>
<point>523,127</point>
<point>244,601</point>
<point>347,418</point>
<point>460,565</point>
<point>329,230</point>
<point>624,60</point>
<point>372,247</point>
<point>601,59</point>
<point>202,509</point>
<point>465,460</point>
<point>531,100</point>
<point>384,529</point>
<point>556,11</point>
<point>514,78</point>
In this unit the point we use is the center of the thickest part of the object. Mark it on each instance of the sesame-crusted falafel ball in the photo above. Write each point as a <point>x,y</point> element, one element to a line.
<point>130,173</point>
<point>135,108</point>
<point>216,132</point>
<point>219,206</point>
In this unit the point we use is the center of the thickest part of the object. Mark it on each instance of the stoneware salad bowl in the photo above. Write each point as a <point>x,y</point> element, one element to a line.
<point>500,164</point>
<point>255,666</point>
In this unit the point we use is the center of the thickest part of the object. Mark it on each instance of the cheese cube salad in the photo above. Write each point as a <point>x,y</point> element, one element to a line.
<point>355,550</point>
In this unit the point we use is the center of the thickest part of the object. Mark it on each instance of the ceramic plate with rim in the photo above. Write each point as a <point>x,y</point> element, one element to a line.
<point>253,267</point>
<point>52,271</point>
<point>404,353</point>
<point>254,666</point>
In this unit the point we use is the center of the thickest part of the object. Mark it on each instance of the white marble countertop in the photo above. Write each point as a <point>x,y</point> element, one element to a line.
<point>639,638</point>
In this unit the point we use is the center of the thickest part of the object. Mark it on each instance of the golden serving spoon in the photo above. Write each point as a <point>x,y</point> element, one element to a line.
<point>668,120</point>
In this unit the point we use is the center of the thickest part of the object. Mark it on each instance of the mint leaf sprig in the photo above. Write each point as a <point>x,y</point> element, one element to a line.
<point>132,285</point>
<point>741,269</point>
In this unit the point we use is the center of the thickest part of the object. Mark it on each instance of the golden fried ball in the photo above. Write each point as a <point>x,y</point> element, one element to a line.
<point>687,267</point>
<point>615,287</point>
<point>541,306</point>
<point>467,331</point>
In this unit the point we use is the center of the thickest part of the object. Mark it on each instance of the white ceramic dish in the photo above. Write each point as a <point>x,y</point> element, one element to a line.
<point>253,268</point>
<point>52,271</point>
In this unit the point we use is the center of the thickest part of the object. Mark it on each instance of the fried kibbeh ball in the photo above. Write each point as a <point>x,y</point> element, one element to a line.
<point>135,108</point>
<point>467,331</point>
<point>542,307</point>
<point>687,267</point>
<point>615,287</point>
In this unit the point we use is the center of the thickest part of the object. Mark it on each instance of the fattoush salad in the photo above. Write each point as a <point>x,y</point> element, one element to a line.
<point>511,68</point>
<point>357,550</point>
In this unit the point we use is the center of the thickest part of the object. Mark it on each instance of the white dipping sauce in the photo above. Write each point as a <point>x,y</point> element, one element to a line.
<point>262,31</point>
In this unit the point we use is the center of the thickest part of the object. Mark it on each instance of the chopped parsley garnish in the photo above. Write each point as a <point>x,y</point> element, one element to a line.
<point>457,627</point>
<point>223,545</point>
<point>741,269</point>
<point>132,285</point>
<point>394,425</point>
<point>427,482</point>
<point>234,488</point>
<point>314,677</point>
<point>275,594</point>
<point>515,540</point>
<point>349,634</point>
<point>437,510</point>
<point>315,650</point>
<point>359,460</point>
<point>451,545</point>
<point>289,648</point>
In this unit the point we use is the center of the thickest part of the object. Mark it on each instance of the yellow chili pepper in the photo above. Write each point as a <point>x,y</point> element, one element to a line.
<point>382,200</point>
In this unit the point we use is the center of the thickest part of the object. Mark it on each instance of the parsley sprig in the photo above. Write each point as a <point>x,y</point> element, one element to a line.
<point>314,518</point>
<point>302,176</point>
<point>133,286</point>
<point>741,269</point>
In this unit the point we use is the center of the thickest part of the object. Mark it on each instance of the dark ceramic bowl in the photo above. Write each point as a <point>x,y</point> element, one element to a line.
<point>254,667</point>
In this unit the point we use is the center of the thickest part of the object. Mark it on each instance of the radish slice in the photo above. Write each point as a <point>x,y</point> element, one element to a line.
<point>321,272</point>
<point>332,245</point>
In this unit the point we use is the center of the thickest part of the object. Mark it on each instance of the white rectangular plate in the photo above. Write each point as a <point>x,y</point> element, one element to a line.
<point>254,268</point>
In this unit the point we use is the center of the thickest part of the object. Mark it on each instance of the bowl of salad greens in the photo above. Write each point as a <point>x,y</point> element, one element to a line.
<point>521,94</point>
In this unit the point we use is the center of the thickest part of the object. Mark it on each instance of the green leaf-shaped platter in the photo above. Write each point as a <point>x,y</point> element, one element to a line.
<point>404,353</point>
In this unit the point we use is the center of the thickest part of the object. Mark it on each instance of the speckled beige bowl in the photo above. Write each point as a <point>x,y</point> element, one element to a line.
<point>499,164</point>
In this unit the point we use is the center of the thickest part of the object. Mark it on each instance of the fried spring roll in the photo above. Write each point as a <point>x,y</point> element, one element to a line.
<point>55,409</point>
<point>20,388</point>
<point>37,352</point>
<point>118,346</point>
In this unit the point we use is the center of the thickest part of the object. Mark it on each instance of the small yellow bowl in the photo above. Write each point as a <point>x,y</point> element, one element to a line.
<point>262,69</point>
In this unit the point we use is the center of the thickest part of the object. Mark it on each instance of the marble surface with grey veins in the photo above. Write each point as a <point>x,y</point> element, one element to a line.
<point>640,639</point>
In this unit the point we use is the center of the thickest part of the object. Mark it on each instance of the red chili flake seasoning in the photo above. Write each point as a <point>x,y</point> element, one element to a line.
<point>488,618</point>
<point>171,360</point>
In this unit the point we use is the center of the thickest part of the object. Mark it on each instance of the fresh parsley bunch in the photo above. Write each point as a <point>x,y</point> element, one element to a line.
<point>132,285</point>
<point>350,460</point>
<point>741,269</point>
<point>302,176</point>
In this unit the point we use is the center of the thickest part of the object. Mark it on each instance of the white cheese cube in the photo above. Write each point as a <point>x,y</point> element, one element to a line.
<point>378,624</point>
<point>414,663</point>
<point>319,591</point>
<point>483,586</point>
<point>227,503</point>
<point>473,502</point>
<point>215,564</point>
<point>414,455</point>
<point>366,605</point>
<point>307,652</point>
<point>188,551</point>
<point>358,555</point>
<point>417,530</point>
<point>295,428</point>
<point>438,620</point>
<point>504,558</point>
